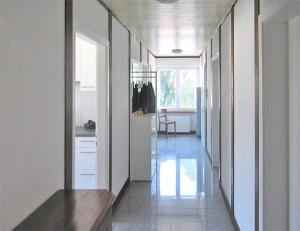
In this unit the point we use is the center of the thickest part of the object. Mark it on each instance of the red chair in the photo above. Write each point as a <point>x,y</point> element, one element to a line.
<point>163,119</point>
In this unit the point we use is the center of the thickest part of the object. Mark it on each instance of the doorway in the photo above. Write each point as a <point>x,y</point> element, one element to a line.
<point>279,106</point>
<point>90,167</point>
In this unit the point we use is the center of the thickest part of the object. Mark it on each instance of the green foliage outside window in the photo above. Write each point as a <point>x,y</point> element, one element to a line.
<point>167,89</point>
<point>187,89</point>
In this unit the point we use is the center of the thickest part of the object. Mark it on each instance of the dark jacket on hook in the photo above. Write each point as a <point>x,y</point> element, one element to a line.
<point>143,99</point>
<point>147,99</point>
<point>151,98</point>
<point>135,98</point>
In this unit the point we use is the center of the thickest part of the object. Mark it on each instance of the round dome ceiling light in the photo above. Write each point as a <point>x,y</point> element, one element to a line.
<point>167,1</point>
<point>177,51</point>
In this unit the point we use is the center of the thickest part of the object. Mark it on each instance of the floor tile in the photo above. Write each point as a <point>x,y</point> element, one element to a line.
<point>184,194</point>
<point>182,226</point>
<point>215,227</point>
<point>214,215</point>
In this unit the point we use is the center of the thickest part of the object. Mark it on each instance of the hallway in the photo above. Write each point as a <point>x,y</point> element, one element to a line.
<point>184,194</point>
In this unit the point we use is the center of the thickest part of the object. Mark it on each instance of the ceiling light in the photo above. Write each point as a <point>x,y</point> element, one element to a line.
<point>177,51</point>
<point>167,1</point>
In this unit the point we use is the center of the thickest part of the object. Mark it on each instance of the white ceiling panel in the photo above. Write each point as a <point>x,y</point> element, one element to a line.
<point>186,24</point>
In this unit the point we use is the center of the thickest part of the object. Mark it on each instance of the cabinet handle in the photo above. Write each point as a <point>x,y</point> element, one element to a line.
<point>87,174</point>
<point>86,141</point>
<point>88,152</point>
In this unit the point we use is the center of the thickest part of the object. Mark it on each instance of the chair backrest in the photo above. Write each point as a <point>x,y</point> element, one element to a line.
<point>163,114</point>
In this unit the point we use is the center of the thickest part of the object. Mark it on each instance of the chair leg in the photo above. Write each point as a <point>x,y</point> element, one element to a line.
<point>167,130</point>
<point>175,128</point>
<point>158,127</point>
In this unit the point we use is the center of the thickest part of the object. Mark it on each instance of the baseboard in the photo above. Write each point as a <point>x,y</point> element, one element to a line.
<point>121,194</point>
<point>229,209</point>
<point>206,151</point>
<point>178,133</point>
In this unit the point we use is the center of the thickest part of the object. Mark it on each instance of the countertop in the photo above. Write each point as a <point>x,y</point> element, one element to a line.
<point>80,131</point>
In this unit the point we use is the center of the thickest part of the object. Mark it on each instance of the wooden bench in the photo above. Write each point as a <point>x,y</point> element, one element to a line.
<point>72,210</point>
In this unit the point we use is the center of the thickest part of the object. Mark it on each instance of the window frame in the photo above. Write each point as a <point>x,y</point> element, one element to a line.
<point>177,70</point>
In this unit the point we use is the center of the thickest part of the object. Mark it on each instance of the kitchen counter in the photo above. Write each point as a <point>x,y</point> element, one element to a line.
<point>80,131</point>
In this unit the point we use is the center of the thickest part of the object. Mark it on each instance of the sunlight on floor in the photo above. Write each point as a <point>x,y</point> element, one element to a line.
<point>184,194</point>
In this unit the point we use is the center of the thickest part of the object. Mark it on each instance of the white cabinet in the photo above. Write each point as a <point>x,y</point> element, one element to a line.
<point>85,142</point>
<point>143,147</point>
<point>85,179</point>
<point>85,163</point>
<point>85,158</point>
<point>86,63</point>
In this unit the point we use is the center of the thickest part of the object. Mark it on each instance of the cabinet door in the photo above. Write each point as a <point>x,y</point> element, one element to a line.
<point>85,158</point>
<point>85,142</point>
<point>85,179</point>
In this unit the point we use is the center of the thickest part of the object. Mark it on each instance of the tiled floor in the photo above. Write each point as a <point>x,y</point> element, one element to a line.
<point>183,196</point>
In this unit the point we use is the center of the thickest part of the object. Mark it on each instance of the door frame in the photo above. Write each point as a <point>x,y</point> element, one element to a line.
<point>70,47</point>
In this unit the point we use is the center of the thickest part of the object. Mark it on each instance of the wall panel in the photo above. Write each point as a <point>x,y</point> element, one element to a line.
<point>294,118</point>
<point>135,49</point>
<point>275,137</point>
<point>32,105</point>
<point>89,15</point>
<point>226,107</point>
<point>144,55</point>
<point>120,106</point>
<point>244,114</point>
<point>209,100</point>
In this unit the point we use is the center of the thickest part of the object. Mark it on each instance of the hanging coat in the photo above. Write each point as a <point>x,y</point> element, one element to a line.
<point>143,99</point>
<point>135,98</point>
<point>151,99</point>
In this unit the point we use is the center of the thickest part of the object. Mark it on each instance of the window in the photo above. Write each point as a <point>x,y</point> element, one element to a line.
<point>177,88</point>
<point>167,86</point>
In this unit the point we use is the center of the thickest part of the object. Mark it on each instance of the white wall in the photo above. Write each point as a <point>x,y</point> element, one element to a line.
<point>120,106</point>
<point>294,118</point>
<point>144,55</point>
<point>152,62</point>
<point>180,63</point>
<point>216,99</point>
<point>268,7</point>
<point>85,106</point>
<point>174,115</point>
<point>32,105</point>
<point>175,62</point>
<point>226,114</point>
<point>202,77</point>
<point>91,19</point>
<point>244,115</point>
<point>275,120</point>
<point>135,49</point>
<point>215,43</point>
<point>209,101</point>
<point>280,62</point>
<point>215,113</point>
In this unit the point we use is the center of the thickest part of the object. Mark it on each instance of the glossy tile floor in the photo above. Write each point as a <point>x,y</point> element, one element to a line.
<point>184,194</point>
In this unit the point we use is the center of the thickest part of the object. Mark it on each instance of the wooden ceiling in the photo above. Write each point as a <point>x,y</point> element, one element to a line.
<point>186,24</point>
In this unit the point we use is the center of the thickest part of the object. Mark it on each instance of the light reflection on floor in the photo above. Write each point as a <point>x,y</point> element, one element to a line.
<point>184,194</point>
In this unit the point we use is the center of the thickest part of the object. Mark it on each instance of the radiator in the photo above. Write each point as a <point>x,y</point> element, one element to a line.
<point>183,123</point>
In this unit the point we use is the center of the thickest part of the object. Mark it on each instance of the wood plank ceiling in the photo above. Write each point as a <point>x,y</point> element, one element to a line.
<point>185,24</point>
